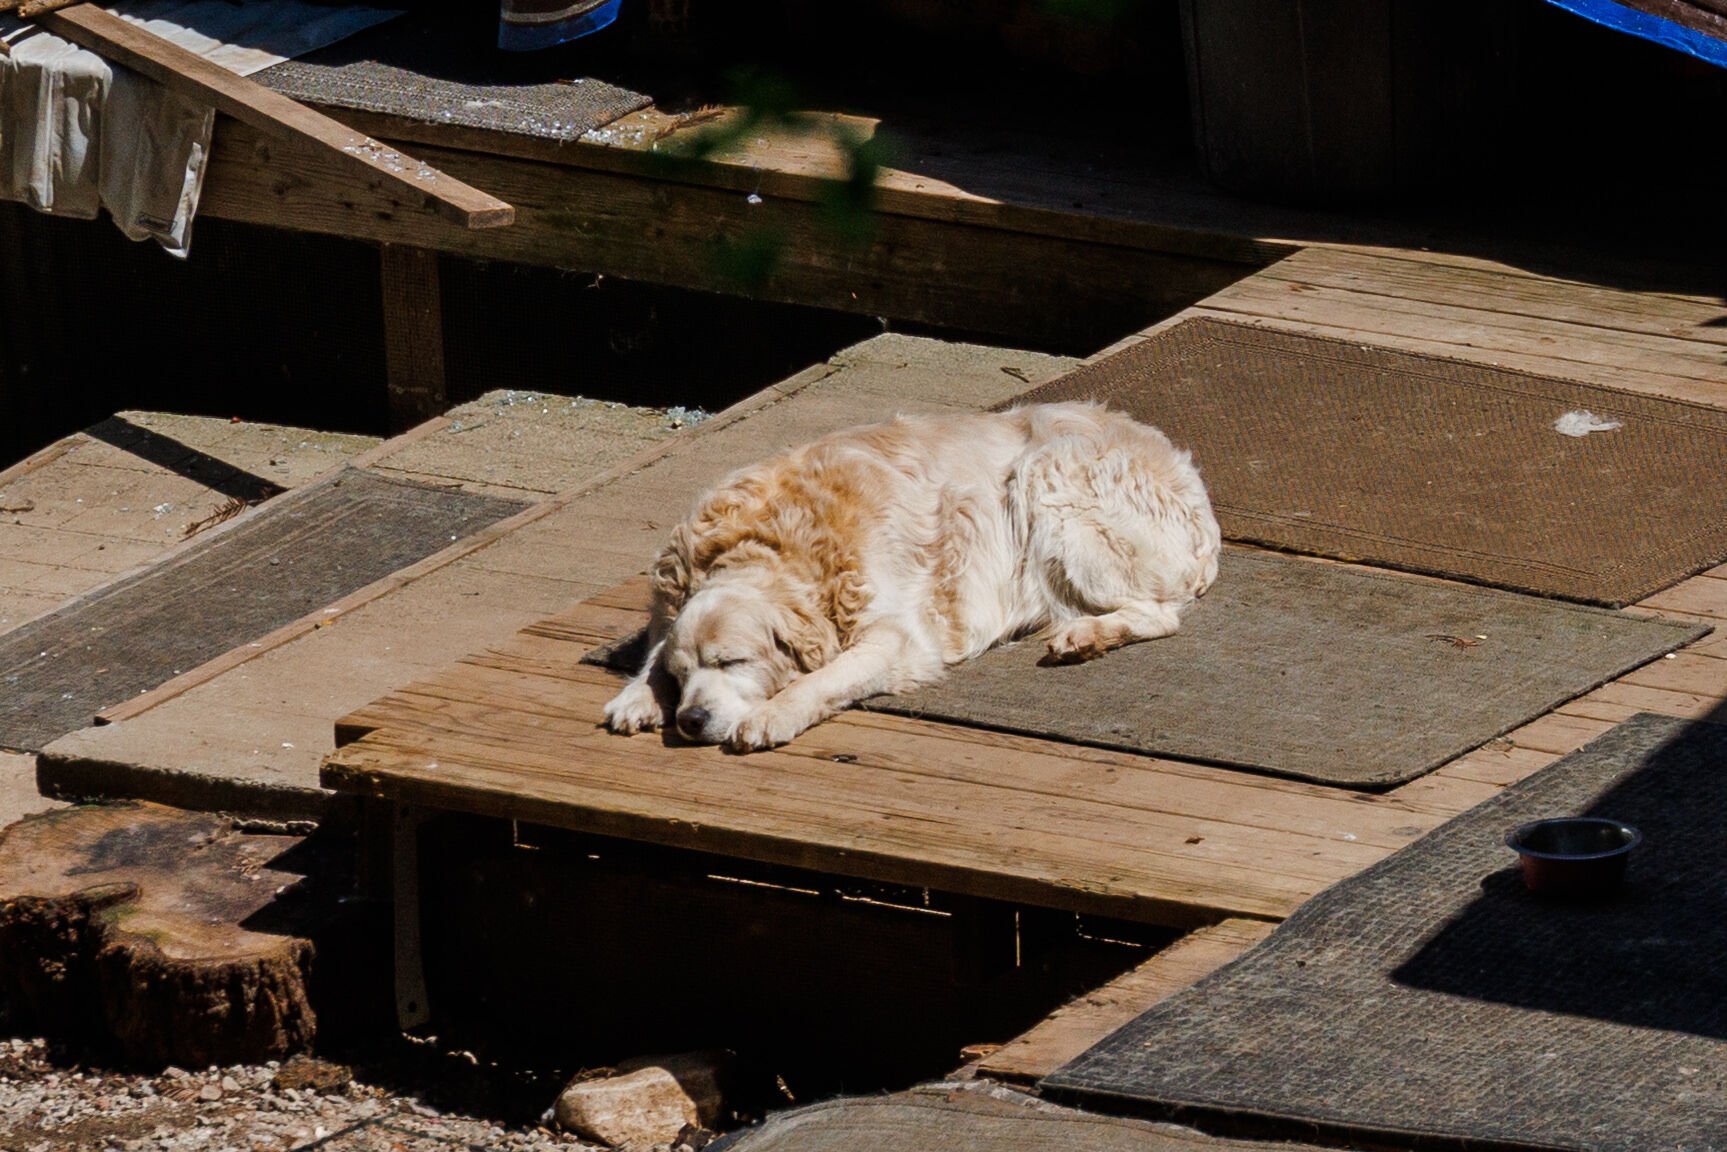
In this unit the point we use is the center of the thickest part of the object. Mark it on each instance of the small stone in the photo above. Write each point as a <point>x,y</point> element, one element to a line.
<point>309,1074</point>
<point>229,1084</point>
<point>210,1093</point>
<point>650,1101</point>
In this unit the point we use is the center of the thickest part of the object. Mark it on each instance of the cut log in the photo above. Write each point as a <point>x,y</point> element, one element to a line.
<point>159,936</point>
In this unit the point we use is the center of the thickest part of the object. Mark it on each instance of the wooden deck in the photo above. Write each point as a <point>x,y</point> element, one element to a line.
<point>514,732</point>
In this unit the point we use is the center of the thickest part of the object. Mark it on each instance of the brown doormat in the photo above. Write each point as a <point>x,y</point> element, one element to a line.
<point>289,559</point>
<point>1428,464</point>
<point>1432,1002</point>
<point>1299,668</point>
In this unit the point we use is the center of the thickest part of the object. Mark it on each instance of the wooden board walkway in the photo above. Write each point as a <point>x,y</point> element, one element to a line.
<point>514,732</point>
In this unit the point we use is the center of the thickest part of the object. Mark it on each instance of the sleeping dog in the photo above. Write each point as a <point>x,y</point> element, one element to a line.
<point>873,558</point>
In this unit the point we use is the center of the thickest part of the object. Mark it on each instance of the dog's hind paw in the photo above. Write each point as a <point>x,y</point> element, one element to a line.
<point>635,709</point>
<point>1078,641</point>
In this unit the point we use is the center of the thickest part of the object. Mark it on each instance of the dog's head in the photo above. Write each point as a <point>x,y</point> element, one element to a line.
<point>735,642</point>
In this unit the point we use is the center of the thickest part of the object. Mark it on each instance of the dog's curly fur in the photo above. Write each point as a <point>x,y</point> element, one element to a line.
<point>871,559</point>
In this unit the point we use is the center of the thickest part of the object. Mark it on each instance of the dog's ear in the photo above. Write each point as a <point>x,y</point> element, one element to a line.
<point>809,637</point>
<point>673,574</point>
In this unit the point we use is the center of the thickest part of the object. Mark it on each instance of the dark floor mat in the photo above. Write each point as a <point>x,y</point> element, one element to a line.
<point>438,67</point>
<point>291,558</point>
<point>1428,464</point>
<point>1312,670</point>
<point>1431,996</point>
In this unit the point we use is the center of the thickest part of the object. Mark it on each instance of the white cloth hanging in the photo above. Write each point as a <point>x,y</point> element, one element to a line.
<point>78,133</point>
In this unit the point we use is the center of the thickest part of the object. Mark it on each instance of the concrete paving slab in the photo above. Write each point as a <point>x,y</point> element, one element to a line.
<point>516,443</point>
<point>18,795</point>
<point>252,738</point>
<point>127,490</point>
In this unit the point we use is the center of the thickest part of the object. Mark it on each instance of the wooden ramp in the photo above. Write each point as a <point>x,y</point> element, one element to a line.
<point>516,733</point>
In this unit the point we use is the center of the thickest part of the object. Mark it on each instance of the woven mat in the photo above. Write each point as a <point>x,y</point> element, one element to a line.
<point>1312,670</point>
<point>438,67</point>
<point>968,1117</point>
<point>1432,996</point>
<point>1427,464</point>
<point>287,560</point>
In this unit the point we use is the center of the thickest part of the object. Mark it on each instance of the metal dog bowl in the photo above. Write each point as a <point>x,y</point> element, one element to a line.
<point>1573,855</point>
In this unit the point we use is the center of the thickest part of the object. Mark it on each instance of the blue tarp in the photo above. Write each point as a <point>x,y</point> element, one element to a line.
<point>1660,29</point>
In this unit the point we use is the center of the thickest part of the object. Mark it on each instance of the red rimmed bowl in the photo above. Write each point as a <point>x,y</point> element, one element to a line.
<point>1573,855</point>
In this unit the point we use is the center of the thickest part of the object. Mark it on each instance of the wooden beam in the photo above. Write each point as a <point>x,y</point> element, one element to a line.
<point>1022,285</point>
<point>413,335</point>
<point>353,154</point>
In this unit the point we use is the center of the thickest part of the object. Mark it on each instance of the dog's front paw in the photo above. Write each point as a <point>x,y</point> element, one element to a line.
<point>766,727</point>
<point>635,709</point>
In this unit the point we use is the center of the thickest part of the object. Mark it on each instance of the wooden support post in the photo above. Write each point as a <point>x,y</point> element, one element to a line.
<point>413,335</point>
<point>412,1006</point>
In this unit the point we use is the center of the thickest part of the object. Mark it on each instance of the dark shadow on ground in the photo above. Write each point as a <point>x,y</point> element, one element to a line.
<point>1647,955</point>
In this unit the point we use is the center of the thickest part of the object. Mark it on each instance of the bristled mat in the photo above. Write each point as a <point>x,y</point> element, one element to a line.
<point>438,66</point>
<point>297,554</point>
<point>1431,1001</point>
<point>1428,464</point>
<point>1299,668</point>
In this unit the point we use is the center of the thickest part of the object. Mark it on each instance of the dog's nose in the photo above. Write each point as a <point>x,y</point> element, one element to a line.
<point>692,722</point>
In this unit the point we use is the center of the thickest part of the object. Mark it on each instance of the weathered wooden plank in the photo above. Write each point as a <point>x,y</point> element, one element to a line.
<point>1443,793</point>
<point>1558,733</point>
<point>856,759</point>
<point>1685,705</point>
<point>413,335</point>
<point>1500,763</point>
<point>1686,671</point>
<point>354,155</point>
<point>1020,284</point>
<point>1076,1026</point>
<point>1674,367</point>
<point>1053,186</point>
<point>1699,596</point>
<point>1420,276</point>
<point>1000,827</point>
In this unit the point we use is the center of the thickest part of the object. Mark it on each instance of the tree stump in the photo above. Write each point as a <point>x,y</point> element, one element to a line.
<point>159,936</point>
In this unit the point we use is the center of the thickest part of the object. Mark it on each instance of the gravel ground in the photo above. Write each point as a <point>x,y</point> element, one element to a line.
<point>50,1103</point>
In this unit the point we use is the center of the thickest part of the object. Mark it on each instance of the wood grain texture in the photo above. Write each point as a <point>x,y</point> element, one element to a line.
<point>516,732</point>
<point>1078,1025</point>
<point>135,928</point>
<point>413,335</point>
<point>1618,338</point>
<point>354,154</point>
<point>1020,284</point>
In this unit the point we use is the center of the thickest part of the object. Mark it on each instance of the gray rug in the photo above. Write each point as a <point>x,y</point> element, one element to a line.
<point>1428,464</point>
<point>289,559</point>
<point>1431,998</point>
<point>1312,670</point>
<point>438,68</point>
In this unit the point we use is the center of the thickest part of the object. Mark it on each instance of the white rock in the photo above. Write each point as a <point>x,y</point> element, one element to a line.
<point>648,1101</point>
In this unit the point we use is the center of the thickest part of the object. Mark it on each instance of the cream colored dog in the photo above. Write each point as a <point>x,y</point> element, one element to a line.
<point>870,560</point>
